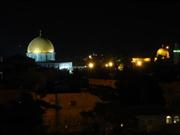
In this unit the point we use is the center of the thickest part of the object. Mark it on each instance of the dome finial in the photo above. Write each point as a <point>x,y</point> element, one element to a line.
<point>40,33</point>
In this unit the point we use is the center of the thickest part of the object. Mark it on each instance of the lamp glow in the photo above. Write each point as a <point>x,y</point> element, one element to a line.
<point>91,65</point>
<point>110,64</point>
<point>139,63</point>
<point>106,65</point>
<point>90,56</point>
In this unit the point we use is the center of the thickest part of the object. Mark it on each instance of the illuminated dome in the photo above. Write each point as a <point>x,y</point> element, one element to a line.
<point>163,52</point>
<point>41,50</point>
<point>40,45</point>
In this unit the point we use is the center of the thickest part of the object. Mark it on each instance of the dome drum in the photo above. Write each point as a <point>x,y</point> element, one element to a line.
<point>42,57</point>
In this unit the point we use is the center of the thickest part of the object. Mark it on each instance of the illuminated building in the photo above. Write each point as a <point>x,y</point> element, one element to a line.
<point>110,64</point>
<point>162,53</point>
<point>42,51</point>
<point>121,67</point>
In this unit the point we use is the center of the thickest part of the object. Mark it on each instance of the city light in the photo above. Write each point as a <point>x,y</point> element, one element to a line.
<point>106,65</point>
<point>90,56</point>
<point>110,64</point>
<point>121,67</point>
<point>168,119</point>
<point>176,51</point>
<point>167,47</point>
<point>176,119</point>
<point>139,63</point>
<point>91,65</point>
<point>147,59</point>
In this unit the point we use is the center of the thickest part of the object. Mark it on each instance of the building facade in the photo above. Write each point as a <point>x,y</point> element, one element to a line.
<point>42,51</point>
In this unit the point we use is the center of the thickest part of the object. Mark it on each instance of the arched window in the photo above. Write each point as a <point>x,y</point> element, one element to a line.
<point>176,119</point>
<point>168,120</point>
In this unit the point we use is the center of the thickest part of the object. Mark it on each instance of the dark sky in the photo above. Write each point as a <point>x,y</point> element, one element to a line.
<point>125,29</point>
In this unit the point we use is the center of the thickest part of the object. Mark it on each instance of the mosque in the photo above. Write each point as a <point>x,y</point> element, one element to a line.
<point>162,53</point>
<point>42,51</point>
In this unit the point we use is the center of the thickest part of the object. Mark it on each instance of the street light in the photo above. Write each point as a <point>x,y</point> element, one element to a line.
<point>90,56</point>
<point>110,64</point>
<point>167,47</point>
<point>91,65</point>
<point>139,63</point>
<point>106,65</point>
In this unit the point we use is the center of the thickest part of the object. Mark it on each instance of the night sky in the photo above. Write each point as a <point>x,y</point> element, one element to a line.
<point>131,28</point>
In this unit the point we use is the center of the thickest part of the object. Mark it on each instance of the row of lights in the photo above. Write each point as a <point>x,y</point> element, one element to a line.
<point>172,119</point>
<point>140,61</point>
<point>91,65</point>
<point>110,64</point>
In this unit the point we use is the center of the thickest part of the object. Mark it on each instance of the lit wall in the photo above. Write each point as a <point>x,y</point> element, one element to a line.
<point>60,66</point>
<point>66,65</point>
<point>41,57</point>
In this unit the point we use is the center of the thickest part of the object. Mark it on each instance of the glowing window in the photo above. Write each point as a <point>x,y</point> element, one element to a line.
<point>176,119</point>
<point>168,120</point>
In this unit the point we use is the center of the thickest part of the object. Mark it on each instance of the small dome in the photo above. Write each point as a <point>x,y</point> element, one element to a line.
<point>40,45</point>
<point>163,52</point>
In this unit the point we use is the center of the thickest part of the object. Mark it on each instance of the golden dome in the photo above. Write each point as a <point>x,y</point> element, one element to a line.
<point>163,52</point>
<point>40,45</point>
